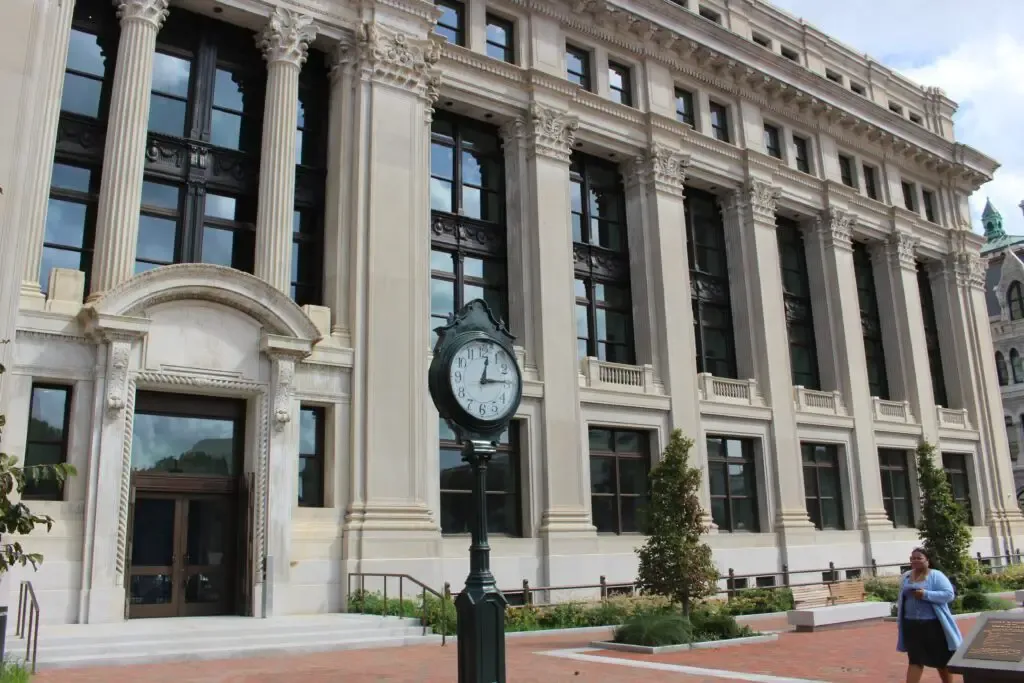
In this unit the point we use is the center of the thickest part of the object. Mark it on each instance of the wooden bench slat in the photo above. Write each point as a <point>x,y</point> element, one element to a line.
<point>811,596</point>
<point>847,592</point>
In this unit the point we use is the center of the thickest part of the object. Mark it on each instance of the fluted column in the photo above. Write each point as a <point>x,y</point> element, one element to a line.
<point>756,284</point>
<point>831,245</point>
<point>900,307</point>
<point>341,146</point>
<point>284,42</point>
<point>36,188</point>
<point>117,221</point>
<point>656,213</point>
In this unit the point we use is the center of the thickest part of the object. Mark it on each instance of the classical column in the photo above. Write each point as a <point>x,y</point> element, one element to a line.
<point>756,283</point>
<point>550,136</point>
<point>117,220</point>
<point>960,300</point>
<point>830,266</point>
<point>36,186</point>
<point>396,85</point>
<point>284,42</point>
<point>656,214</point>
<point>341,151</point>
<point>899,300</point>
<point>519,237</point>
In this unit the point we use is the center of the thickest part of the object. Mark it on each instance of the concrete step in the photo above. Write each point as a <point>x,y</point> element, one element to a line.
<point>189,639</point>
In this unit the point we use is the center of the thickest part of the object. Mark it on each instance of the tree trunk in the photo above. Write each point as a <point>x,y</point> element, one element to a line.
<point>686,606</point>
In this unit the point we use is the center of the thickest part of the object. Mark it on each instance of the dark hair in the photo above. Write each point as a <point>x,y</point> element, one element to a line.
<point>927,555</point>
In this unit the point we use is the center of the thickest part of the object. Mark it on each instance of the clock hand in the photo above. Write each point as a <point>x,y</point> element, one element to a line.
<point>483,377</point>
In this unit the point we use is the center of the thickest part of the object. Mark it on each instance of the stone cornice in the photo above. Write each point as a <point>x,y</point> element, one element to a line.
<point>797,93</point>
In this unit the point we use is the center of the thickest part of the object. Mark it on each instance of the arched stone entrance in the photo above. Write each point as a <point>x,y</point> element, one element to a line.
<point>196,344</point>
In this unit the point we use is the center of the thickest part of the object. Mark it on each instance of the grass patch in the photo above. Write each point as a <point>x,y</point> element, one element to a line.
<point>12,671</point>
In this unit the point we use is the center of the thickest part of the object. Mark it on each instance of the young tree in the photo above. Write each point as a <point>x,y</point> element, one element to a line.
<point>16,518</point>
<point>673,561</point>
<point>943,527</point>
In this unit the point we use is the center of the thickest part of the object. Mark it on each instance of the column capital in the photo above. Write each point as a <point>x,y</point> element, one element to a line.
<point>552,132</point>
<point>344,57</point>
<point>835,228</point>
<point>395,58</point>
<point>662,165</point>
<point>152,12</point>
<point>902,247</point>
<point>762,198</point>
<point>968,267</point>
<point>286,37</point>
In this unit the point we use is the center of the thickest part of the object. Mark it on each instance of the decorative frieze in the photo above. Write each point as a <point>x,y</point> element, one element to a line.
<point>553,132</point>
<point>286,37</point>
<point>835,228</point>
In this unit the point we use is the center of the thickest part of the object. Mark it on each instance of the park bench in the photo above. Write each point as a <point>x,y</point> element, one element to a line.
<point>807,597</point>
<point>834,604</point>
<point>846,592</point>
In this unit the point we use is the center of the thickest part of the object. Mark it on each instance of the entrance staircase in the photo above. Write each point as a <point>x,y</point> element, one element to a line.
<point>143,641</point>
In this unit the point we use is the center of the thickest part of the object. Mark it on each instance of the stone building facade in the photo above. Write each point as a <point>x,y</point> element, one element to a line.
<point>230,226</point>
<point>1004,280</point>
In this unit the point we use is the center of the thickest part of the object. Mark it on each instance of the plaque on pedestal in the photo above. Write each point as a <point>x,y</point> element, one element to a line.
<point>993,651</point>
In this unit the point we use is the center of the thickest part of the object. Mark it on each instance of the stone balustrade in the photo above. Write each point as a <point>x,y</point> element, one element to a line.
<point>819,402</point>
<point>636,379</point>
<point>892,411</point>
<point>724,390</point>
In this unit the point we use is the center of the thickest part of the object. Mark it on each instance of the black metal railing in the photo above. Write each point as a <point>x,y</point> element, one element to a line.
<point>28,621</point>
<point>358,597</point>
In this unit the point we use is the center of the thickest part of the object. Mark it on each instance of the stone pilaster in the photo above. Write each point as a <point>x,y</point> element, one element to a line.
<point>550,134</point>
<point>341,146</point>
<point>395,85</point>
<point>36,190</point>
<point>830,262</point>
<point>756,287</point>
<point>900,308</point>
<point>519,237</point>
<point>960,298</point>
<point>656,215</point>
<point>117,221</point>
<point>284,42</point>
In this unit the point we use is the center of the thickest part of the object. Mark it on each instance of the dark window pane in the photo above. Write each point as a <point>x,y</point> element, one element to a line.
<point>442,161</point>
<point>632,475</point>
<point>171,74</point>
<point>48,413</point>
<point>442,297</point>
<point>602,475</point>
<point>456,512</point>
<point>156,239</point>
<point>632,513</point>
<point>440,195</point>
<point>167,116</point>
<point>65,223</point>
<point>601,440</point>
<point>70,178</point>
<point>718,479</point>
<point>604,513</point>
<point>744,515</point>
<point>227,92</point>
<point>218,246</point>
<point>226,130</point>
<point>157,195</point>
<point>719,512</point>
<point>219,206</point>
<point>81,95</point>
<point>308,429</point>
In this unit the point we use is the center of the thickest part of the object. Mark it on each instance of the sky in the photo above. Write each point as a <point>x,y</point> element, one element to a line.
<point>972,50</point>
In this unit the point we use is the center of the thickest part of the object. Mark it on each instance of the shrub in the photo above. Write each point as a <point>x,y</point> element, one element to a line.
<point>709,624</point>
<point>655,630</point>
<point>984,583</point>
<point>883,590</point>
<point>12,671</point>
<point>1011,578</point>
<point>759,601</point>
<point>943,526</point>
<point>974,600</point>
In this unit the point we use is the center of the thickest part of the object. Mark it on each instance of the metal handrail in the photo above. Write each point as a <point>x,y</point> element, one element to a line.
<point>424,590</point>
<point>28,621</point>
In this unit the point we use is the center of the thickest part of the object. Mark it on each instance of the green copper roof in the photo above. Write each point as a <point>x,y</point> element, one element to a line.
<point>1001,242</point>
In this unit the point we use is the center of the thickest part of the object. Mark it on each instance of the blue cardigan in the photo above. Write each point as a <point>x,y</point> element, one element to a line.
<point>939,593</point>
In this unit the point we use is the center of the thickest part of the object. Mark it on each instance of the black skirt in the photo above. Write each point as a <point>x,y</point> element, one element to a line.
<point>925,642</point>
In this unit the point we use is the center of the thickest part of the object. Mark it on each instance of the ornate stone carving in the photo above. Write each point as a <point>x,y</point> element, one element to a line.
<point>835,228</point>
<point>286,37</point>
<point>118,358</point>
<point>763,198</point>
<point>394,58</point>
<point>125,490</point>
<point>513,131</point>
<point>284,377</point>
<point>663,166</point>
<point>902,249</point>
<point>154,12</point>
<point>969,269</point>
<point>345,55</point>
<point>553,132</point>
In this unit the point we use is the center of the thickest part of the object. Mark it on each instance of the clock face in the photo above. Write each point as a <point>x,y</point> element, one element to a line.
<point>484,380</point>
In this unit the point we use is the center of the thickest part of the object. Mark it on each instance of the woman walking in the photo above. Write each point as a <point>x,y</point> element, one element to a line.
<point>927,631</point>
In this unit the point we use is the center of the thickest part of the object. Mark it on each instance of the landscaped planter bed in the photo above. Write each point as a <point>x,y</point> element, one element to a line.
<point>667,649</point>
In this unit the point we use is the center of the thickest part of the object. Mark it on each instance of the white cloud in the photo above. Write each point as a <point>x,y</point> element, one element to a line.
<point>972,52</point>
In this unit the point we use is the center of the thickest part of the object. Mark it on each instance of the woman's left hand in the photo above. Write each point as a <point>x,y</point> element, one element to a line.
<point>919,594</point>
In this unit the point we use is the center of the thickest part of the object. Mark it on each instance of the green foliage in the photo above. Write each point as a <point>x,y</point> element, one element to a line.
<point>655,630</point>
<point>711,624</point>
<point>885,589</point>
<point>1011,578</point>
<point>943,526</point>
<point>16,518</point>
<point>13,671</point>
<point>759,601</point>
<point>674,562</point>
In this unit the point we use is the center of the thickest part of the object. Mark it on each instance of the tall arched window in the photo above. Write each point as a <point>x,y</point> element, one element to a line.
<point>1001,369</point>
<point>1016,366</point>
<point>1015,300</point>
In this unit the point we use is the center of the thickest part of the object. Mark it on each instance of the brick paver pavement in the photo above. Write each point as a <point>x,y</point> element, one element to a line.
<point>852,655</point>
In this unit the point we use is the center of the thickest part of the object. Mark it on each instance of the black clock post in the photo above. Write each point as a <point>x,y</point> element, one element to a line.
<point>480,607</point>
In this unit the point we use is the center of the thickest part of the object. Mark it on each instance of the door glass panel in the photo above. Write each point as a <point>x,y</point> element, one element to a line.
<point>207,546</point>
<point>183,445</point>
<point>152,546</point>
